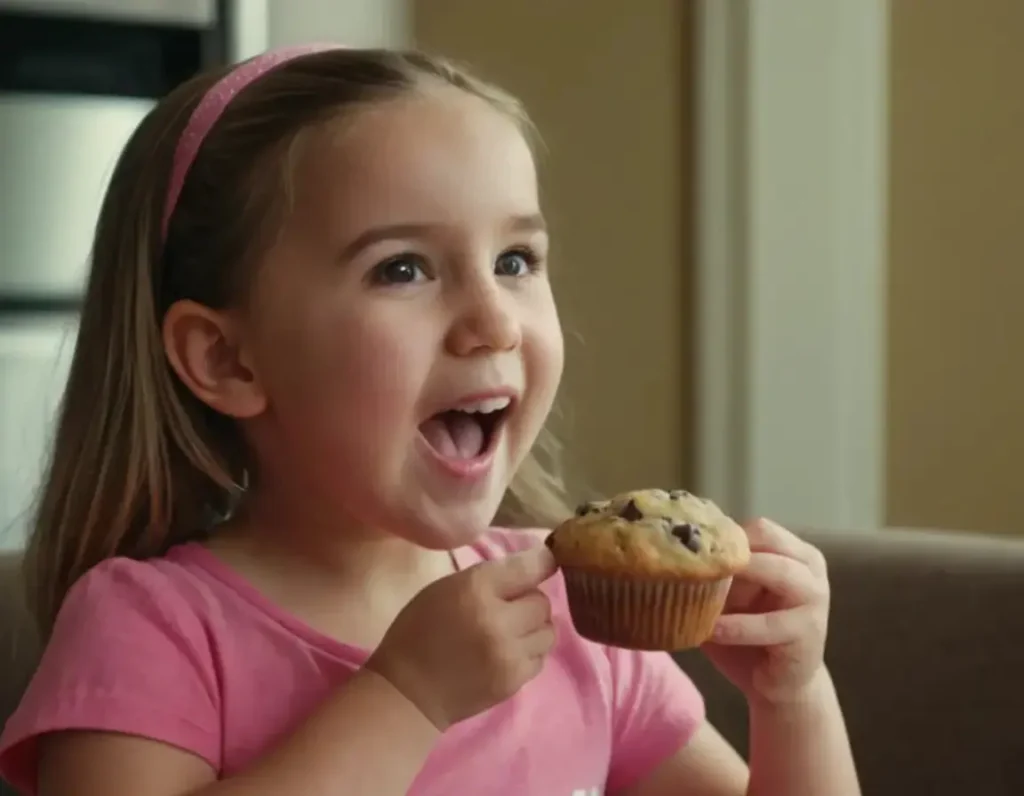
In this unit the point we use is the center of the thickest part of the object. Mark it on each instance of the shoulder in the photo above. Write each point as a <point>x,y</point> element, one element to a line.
<point>129,653</point>
<point>126,618</point>
<point>124,601</point>
<point>126,579</point>
<point>156,607</point>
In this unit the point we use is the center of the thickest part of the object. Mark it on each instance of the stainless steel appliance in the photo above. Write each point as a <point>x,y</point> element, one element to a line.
<point>76,77</point>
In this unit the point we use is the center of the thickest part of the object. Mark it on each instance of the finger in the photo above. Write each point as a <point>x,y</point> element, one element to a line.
<point>773,538</point>
<point>517,574</point>
<point>529,612</point>
<point>770,537</point>
<point>760,630</point>
<point>786,578</point>
<point>540,642</point>
<point>743,594</point>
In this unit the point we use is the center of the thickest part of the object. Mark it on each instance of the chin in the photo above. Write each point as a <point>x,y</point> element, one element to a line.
<point>437,512</point>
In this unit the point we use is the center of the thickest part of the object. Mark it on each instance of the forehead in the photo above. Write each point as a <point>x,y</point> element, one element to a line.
<point>439,155</point>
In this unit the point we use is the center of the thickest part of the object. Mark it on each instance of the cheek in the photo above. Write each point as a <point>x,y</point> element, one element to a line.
<point>341,374</point>
<point>544,352</point>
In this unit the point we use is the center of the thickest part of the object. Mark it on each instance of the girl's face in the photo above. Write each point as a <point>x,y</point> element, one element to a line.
<point>402,331</point>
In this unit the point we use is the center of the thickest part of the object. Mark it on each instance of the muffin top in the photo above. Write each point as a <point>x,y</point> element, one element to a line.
<point>651,532</point>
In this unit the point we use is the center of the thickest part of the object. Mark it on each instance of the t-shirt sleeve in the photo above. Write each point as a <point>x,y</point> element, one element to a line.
<point>656,709</point>
<point>128,654</point>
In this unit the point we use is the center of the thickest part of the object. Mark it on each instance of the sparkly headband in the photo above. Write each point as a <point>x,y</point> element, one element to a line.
<point>212,105</point>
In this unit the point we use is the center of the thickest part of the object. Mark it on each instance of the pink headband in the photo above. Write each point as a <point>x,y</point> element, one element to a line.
<point>212,105</point>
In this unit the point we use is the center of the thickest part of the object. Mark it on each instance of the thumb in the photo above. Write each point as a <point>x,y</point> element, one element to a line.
<point>519,573</point>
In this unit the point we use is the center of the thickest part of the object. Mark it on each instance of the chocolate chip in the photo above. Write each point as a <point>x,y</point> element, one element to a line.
<point>631,512</point>
<point>688,534</point>
<point>586,508</point>
<point>678,494</point>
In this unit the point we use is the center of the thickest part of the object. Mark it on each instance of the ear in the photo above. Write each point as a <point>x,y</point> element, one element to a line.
<point>206,350</point>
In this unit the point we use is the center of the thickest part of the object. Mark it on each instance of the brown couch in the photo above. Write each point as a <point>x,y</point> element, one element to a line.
<point>926,648</point>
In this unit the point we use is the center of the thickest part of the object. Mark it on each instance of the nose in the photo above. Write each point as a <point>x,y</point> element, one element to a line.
<point>486,320</point>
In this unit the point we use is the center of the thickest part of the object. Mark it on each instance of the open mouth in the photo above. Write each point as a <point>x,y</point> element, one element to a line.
<point>468,432</point>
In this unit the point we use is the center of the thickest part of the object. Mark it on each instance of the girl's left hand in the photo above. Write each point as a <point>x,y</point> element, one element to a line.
<point>770,640</point>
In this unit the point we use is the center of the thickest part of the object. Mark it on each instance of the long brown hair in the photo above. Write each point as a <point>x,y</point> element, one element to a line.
<point>138,463</point>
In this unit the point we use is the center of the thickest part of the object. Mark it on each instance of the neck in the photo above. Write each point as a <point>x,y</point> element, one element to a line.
<point>328,550</point>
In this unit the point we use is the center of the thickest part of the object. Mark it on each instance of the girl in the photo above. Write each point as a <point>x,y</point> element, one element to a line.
<point>317,350</point>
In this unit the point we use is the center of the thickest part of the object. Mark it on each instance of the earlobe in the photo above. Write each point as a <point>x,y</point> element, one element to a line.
<point>205,348</point>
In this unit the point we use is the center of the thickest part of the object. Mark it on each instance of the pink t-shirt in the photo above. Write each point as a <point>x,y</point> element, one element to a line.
<point>183,650</point>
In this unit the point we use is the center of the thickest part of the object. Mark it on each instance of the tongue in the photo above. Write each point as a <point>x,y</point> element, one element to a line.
<point>457,435</point>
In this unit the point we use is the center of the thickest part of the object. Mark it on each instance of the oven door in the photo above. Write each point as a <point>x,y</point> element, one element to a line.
<point>73,87</point>
<point>195,13</point>
<point>55,162</point>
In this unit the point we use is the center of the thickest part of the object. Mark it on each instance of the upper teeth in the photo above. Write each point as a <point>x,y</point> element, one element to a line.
<point>486,406</point>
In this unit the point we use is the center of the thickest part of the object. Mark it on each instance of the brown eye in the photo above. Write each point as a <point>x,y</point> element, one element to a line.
<point>402,270</point>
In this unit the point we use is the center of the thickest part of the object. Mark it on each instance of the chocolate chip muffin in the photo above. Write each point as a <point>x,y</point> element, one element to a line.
<point>648,569</point>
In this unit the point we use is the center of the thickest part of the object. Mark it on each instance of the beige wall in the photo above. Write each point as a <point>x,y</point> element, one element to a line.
<point>610,92</point>
<point>956,312</point>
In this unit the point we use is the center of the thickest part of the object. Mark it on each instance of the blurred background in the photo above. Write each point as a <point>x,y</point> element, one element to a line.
<point>789,235</point>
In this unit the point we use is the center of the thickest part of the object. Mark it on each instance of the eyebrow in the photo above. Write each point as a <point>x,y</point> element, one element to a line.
<point>530,223</point>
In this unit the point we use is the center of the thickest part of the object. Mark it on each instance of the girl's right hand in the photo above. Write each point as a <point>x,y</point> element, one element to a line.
<point>471,640</point>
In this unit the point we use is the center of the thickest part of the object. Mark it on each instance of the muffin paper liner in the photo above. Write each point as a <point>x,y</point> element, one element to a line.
<point>644,613</point>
